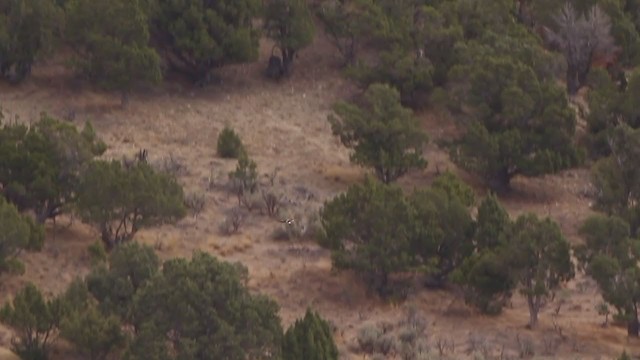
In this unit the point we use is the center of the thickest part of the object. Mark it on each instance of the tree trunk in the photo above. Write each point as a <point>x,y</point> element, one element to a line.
<point>287,60</point>
<point>633,326</point>
<point>499,181</point>
<point>533,312</point>
<point>573,81</point>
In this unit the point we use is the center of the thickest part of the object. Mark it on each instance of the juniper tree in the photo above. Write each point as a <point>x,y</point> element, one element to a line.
<point>41,164</point>
<point>382,133</point>
<point>119,201</point>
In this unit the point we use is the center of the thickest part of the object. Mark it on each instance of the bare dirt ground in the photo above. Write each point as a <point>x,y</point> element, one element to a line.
<point>284,126</point>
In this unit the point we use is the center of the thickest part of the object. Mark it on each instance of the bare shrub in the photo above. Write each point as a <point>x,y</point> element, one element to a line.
<point>252,202</point>
<point>562,299</point>
<point>445,346</point>
<point>195,203</point>
<point>603,310</point>
<point>477,343</point>
<point>368,337</point>
<point>550,345</point>
<point>272,176</point>
<point>526,348</point>
<point>272,201</point>
<point>233,221</point>
<point>172,166</point>
<point>580,37</point>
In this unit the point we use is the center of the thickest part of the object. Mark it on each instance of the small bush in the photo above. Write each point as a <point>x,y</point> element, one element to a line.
<point>245,177</point>
<point>195,203</point>
<point>229,144</point>
<point>97,252</point>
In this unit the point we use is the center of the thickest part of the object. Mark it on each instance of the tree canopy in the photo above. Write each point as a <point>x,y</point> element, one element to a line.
<point>309,338</point>
<point>610,257</point>
<point>378,231</point>
<point>28,30</point>
<point>41,165</point>
<point>517,120</point>
<point>187,298</point>
<point>195,37</point>
<point>383,134</point>
<point>111,42</point>
<point>121,200</point>
<point>17,233</point>
<point>290,24</point>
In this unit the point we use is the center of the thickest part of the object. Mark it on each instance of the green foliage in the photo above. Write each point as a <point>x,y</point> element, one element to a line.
<point>33,320</point>
<point>609,106</point>
<point>229,144</point>
<point>487,280</point>
<point>443,231</point>
<point>111,42</point>
<point>616,177</point>
<point>245,175</point>
<point>529,253</point>
<point>375,230</point>
<point>370,230</point>
<point>41,165</point>
<point>610,257</point>
<point>177,308</point>
<point>541,260</point>
<point>383,134</point>
<point>198,36</point>
<point>486,275</point>
<point>115,284</point>
<point>340,20</point>
<point>290,24</point>
<point>119,200</point>
<point>17,232</point>
<point>397,39</point>
<point>93,333</point>
<point>97,252</point>
<point>455,188</point>
<point>519,122</point>
<point>28,29</point>
<point>309,338</point>
<point>492,222</point>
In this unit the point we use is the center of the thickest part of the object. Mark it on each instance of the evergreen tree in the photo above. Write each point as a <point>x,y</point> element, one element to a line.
<point>111,43</point>
<point>120,200</point>
<point>290,24</point>
<point>201,309</point>
<point>519,122</point>
<point>309,338</point>
<point>369,229</point>
<point>383,134</point>
<point>610,257</point>
<point>34,320</point>
<point>197,36</point>
<point>17,232</point>
<point>41,164</point>
<point>28,30</point>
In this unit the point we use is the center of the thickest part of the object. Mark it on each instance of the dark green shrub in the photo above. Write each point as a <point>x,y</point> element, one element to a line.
<point>34,320</point>
<point>229,144</point>
<point>309,338</point>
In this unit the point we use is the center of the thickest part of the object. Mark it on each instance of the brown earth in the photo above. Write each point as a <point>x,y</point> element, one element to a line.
<point>284,126</point>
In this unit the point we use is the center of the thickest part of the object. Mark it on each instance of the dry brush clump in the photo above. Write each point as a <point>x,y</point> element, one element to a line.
<point>234,219</point>
<point>406,339</point>
<point>195,202</point>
